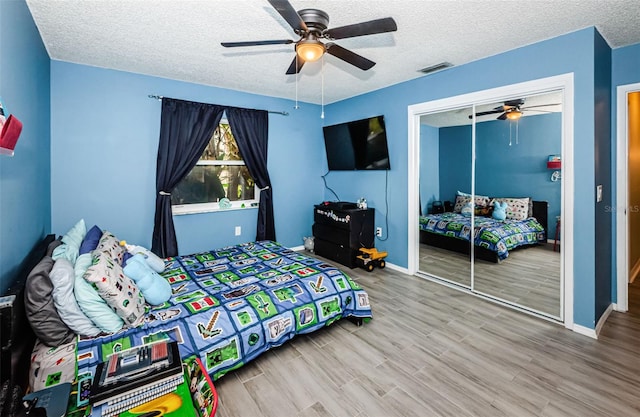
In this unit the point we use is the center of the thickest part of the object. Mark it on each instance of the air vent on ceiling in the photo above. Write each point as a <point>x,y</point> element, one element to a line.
<point>436,67</point>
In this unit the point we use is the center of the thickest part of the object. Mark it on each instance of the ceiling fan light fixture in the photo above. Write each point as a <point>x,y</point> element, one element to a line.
<point>310,50</point>
<point>514,114</point>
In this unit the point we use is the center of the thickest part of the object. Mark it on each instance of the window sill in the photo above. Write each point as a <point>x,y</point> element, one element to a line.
<point>182,210</point>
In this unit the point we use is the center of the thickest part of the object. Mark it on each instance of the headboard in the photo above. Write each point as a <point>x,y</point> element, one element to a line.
<point>16,337</point>
<point>541,213</point>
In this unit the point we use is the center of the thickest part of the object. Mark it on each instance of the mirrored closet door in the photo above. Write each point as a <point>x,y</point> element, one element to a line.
<point>509,195</point>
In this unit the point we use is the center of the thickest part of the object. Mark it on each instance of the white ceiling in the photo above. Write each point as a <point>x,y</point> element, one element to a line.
<point>181,39</point>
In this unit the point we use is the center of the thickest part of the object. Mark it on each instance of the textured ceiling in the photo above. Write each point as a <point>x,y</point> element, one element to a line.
<point>181,39</point>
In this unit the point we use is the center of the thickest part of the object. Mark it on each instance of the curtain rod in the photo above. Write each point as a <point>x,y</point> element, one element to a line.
<point>284,113</point>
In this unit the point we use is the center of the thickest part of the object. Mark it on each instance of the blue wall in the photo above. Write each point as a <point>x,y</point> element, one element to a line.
<point>429,167</point>
<point>571,53</point>
<point>25,208</point>
<point>455,161</point>
<point>518,170</point>
<point>104,137</point>
<point>603,174</point>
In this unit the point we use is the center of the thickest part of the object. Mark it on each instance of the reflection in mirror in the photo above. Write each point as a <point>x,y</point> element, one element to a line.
<point>445,176</point>
<point>513,262</point>
<point>518,146</point>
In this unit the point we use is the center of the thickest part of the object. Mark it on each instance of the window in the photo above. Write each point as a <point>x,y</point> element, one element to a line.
<point>220,173</point>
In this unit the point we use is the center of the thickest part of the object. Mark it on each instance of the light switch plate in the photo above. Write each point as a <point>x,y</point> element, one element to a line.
<point>599,193</point>
<point>238,230</point>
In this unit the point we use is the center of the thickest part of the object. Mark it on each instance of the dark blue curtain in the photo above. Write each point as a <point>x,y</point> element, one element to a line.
<point>185,130</point>
<point>251,130</point>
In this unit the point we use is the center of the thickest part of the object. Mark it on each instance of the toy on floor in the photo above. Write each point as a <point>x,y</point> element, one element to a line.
<point>369,258</point>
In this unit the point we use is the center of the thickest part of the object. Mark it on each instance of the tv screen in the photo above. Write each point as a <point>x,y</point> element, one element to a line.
<point>357,145</point>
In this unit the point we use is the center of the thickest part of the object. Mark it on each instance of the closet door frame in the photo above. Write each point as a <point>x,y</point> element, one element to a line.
<point>564,83</point>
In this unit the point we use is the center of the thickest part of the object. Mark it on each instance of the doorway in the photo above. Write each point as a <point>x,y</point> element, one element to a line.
<point>470,103</point>
<point>627,207</point>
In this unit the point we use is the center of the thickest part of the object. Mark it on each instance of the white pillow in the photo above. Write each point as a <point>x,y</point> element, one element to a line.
<point>62,277</point>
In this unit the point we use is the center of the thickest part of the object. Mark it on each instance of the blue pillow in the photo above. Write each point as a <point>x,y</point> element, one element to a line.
<point>90,302</point>
<point>71,243</point>
<point>91,239</point>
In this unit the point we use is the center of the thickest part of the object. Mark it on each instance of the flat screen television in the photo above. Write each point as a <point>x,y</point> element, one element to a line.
<point>357,145</point>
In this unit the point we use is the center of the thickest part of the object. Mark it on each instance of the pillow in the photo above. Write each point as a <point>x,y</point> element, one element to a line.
<point>118,290</point>
<point>62,277</point>
<point>71,243</point>
<point>90,302</point>
<point>91,239</point>
<point>52,366</point>
<point>517,208</point>
<point>41,312</point>
<point>462,200</point>
<point>110,244</point>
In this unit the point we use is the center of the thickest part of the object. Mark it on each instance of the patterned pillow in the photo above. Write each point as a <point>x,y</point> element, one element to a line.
<point>517,208</point>
<point>110,244</point>
<point>52,365</point>
<point>463,199</point>
<point>118,290</point>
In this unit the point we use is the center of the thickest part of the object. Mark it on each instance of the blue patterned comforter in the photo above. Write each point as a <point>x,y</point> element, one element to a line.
<point>497,236</point>
<point>230,305</point>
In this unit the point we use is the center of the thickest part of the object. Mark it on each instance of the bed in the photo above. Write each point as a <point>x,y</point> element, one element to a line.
<point>493,239</point>
<point>227,306</point>
<point>230,305</point>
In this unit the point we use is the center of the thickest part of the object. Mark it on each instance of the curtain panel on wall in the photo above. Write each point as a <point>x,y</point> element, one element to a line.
<point>185,130</point>
<point>251,130</point>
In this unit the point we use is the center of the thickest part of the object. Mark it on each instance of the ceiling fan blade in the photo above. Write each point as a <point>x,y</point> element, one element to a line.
<point>503,116</point>
<point>256,43</point>
<point>542,105</point>
<point>296,61</point>
<point>484,113</point>
<point>292,17</point>
<point>349,56</point>
<point>371,27</point>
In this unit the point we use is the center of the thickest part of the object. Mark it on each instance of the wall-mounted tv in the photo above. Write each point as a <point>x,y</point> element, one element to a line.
<point>357,145</point>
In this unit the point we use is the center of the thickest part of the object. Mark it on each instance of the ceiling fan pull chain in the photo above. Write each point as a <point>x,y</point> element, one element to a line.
<point>297,77</point>
<point>322,76</point>
<point>517,130</point>
<point>510,134</point>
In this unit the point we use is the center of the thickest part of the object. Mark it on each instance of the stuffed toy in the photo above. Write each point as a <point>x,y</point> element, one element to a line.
<point>309,243</point>
<point>155,289</point>
<point>467,209</point>
<point>151,258</point>
<point>499,210</point>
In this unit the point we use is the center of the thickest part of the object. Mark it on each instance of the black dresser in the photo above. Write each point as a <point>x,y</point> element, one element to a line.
<point>340,229</point>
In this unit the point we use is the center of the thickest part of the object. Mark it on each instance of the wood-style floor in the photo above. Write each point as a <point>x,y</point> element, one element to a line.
<point>434,351</point>
<point>529,277</point>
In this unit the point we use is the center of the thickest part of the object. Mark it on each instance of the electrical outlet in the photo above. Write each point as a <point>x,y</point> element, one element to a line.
<point>379,231</point>
<point>238,230</point>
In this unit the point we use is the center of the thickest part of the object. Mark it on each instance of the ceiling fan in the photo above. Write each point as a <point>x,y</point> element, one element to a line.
<point>513,109</point>
<point>311,26</point>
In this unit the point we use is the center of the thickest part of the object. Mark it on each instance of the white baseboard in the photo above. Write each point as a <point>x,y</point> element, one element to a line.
<point>297,248</point>
<point>397,268</point>
<point>635,271</point>
<point>593,333</point>
<point>585,331</point>
<point>603,319</point>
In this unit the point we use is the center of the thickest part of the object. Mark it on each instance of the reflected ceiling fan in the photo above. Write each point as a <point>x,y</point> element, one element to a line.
<point>311,26</point>
<point>513,109</point>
